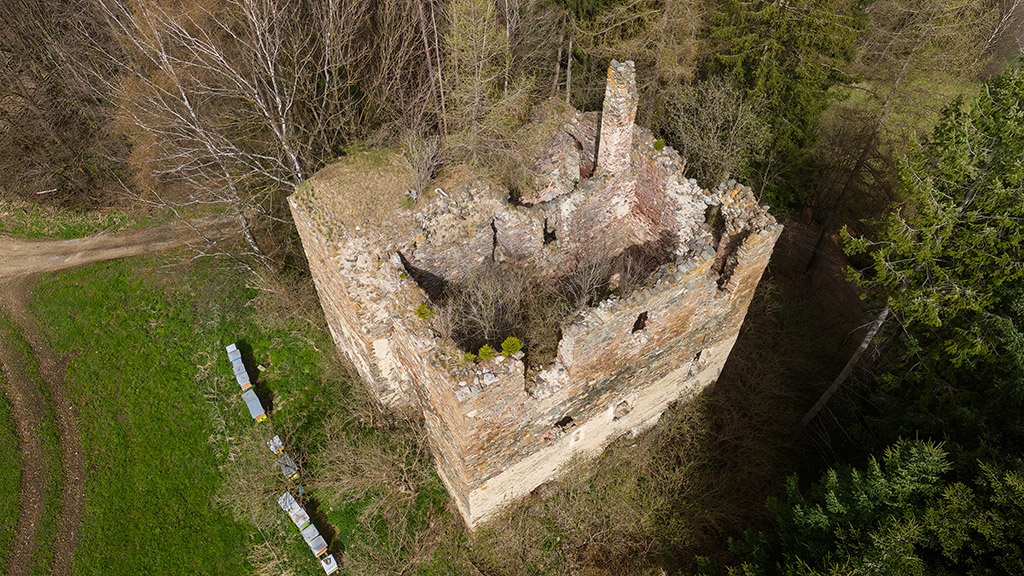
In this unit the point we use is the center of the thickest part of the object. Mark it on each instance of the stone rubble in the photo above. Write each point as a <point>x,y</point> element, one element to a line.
<point>492,423</point>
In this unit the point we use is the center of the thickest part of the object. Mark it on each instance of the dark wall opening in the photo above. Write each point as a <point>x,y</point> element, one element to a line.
<point>641,322</point>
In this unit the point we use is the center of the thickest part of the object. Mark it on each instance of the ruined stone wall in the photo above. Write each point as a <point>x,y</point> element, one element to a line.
<point>496,430</point>
<point>620,104</point>
<point>492,439</point>
<point>357,322</point>
<point>690,328</point>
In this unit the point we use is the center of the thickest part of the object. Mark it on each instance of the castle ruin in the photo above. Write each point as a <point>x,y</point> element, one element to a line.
<point>500,427</point>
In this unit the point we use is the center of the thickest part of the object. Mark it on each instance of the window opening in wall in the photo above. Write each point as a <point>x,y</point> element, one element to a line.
<point>697,357</point>
<point>641,322</point>
<point>621,409</point>
<point>549,233</point>
<point>494,239</point>
<point>564,423</point>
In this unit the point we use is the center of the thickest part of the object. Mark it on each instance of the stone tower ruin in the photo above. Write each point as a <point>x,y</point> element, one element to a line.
<point>500,427</point>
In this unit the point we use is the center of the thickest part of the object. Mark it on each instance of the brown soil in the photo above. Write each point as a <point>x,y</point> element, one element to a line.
<point>27,410</point>
<point>20,259</point>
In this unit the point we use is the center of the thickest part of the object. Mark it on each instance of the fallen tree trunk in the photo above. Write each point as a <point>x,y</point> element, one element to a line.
<point>838,382</point>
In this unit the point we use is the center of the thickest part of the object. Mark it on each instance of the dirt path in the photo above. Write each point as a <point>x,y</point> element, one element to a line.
<point>51,368</point>
<point>20,259</point>
<point>27,411</point>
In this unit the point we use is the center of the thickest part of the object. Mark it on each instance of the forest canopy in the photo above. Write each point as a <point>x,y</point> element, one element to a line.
<point>891,129</point>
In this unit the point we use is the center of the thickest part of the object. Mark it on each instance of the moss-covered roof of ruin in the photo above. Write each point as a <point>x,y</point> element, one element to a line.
<point>364,185</point>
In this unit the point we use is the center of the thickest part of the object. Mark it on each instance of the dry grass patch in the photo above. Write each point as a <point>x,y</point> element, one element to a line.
<point>370,184</point>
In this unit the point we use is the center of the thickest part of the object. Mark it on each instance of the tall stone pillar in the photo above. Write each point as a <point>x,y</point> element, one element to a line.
<point>615,146</point>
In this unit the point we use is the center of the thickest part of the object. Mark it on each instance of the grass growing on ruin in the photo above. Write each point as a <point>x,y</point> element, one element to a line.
<point>10,478</point>
<point>48,432</point>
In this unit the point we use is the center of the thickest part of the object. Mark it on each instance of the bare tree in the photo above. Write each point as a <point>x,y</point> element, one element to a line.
<point>53,138</point>
<point>906,41</point>
<point>660,36</point>
<point>716,128</point>
<point>240,102</point>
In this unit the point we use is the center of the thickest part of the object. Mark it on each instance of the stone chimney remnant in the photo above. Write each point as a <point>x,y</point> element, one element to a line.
<point>615,147</point>
<point>499,427</point>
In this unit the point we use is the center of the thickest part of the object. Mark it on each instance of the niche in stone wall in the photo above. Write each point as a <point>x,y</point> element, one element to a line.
<point>725,257</point>
<point>577,436</point>
<point>641,322</point>
<point>700,360</point>
<point>621,409</point>
<point>549,233</point>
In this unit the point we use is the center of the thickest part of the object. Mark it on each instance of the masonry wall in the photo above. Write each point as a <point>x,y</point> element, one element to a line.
<point>691,327</point>
<point>617,116</point>
<point>497,431</point>
<point>494,435</point>
<point>357,324</point>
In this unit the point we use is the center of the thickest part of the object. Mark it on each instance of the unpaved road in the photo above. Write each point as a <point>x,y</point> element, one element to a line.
<point>27,411</point>
<point>51,368</point>
<point>20,259</point>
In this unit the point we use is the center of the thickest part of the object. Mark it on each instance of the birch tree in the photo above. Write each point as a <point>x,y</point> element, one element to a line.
<point>238,102</point>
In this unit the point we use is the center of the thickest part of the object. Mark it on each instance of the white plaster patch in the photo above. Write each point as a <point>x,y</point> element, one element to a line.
<point>386,362</point>
<point>578,435</point>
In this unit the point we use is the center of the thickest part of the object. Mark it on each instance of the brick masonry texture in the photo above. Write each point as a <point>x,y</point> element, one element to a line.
<point>494,425</point>
<point>617,116</point>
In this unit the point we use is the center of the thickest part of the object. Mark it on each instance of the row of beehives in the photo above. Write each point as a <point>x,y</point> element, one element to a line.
<point>317,544</point>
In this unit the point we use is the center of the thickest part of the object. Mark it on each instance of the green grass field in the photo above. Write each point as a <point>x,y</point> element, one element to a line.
<point>150,473</point>
<point>30,220</point>
<point>10,479</point>
<point>160,414</point>
<point>48,432</point>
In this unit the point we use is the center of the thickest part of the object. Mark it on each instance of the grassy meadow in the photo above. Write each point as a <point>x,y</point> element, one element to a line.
<point>49,433</point>
<point>29,220</point>
<point>10,479</point>
<point>159,409</point>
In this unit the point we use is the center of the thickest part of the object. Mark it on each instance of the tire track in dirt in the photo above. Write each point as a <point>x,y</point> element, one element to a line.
<point>20,259</point>
<point>51,368</point>
<point>27,410</point>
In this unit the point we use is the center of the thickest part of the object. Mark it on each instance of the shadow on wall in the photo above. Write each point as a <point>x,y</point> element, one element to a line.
<point>434,285</point>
